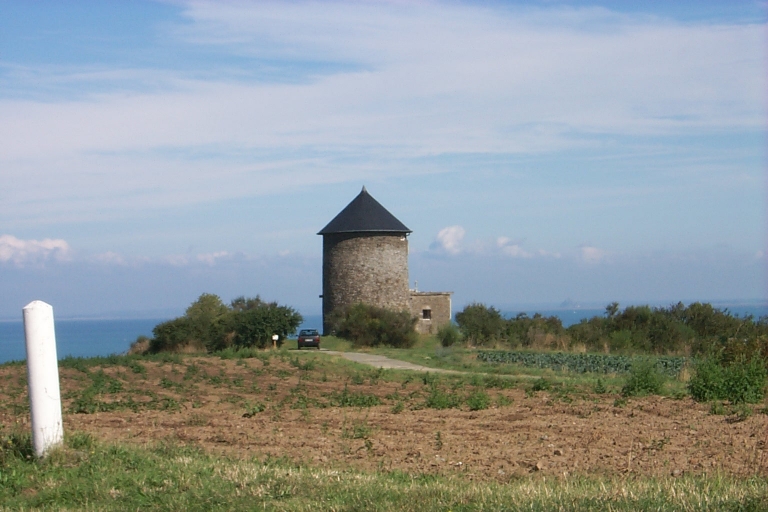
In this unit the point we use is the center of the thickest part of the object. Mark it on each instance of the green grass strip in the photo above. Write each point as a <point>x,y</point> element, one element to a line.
<point>87,475</point>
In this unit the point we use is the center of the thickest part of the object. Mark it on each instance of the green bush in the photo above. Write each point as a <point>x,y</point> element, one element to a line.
<point>480,324</point>
<point>695,329</point>
<point>170,335</point>
<point>206,318</point>
<point>644,379</point>
<point>252,322</point>
<point>478,400</point>
<point>740,381</point>
<point>370,326</point>
<point>448,334</point>
<point>209,323</point>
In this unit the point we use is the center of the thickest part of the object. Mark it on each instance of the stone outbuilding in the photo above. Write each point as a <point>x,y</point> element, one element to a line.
<point>365,259</point>
<point>432,309</point>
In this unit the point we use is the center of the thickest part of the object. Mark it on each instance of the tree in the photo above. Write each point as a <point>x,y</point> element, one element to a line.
<point>612,309</point>
<point>480,323</point>
<point>253,322</point>
<point>210,323</point>
<point>206,317</point>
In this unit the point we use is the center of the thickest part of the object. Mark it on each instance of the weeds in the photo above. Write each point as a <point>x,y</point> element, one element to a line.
<point>541,384</point>
<point>644,379</point>
<point>375,375</point>
<point>252,410</point>
<point>496,382</point>
<point>360,430</point>
<point>478,400</point>
<point>740,412</point>
<point>717,407</point>
<point>600,387</point>
<point>15,445</point>
<point>304,366</point>
<point>439,399</point>
<point>350,399</point>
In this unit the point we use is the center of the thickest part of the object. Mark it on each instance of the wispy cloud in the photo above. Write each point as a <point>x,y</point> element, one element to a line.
<point>591,254</point>
<point>511,248</point>
<point>368,82</point>
<point>451,241</point>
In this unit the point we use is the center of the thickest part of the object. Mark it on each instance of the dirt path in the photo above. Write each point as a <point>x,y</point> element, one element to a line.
<point>378,361</point>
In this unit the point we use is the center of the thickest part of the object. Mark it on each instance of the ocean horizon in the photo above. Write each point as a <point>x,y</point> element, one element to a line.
<point>104,337</point>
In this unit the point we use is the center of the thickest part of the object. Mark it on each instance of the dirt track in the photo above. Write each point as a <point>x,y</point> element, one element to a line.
<point>378,361</point>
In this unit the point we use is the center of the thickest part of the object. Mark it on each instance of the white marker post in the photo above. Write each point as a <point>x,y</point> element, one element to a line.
<point>43,377</point>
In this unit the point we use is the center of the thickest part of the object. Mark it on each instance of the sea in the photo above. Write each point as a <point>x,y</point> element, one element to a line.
<point>104,337</point>
<point>90,338</point>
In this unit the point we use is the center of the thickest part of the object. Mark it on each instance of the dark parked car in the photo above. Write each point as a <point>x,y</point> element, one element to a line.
<point>309,338</point>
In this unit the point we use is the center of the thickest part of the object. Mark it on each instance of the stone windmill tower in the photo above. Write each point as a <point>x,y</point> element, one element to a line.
<point>365,258</point>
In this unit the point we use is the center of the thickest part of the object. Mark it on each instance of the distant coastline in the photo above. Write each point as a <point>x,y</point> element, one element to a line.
<point>530,308</point>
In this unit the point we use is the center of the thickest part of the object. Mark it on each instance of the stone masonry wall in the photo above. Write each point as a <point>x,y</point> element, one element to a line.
<point>439,306</point>
<point>364,267</point>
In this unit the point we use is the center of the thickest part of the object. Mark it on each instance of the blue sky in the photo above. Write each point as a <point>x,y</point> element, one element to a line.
<point>539,150</point>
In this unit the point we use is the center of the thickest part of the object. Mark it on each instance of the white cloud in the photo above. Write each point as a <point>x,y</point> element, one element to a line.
<point>22,252</point>
<point>449,240</point>
<point>176,260</point>
<point>591,254</point>
<point>510,248</point>
<point>211,258</point>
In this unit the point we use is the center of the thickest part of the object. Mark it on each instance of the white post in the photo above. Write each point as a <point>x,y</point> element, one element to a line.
<point>43,377</point>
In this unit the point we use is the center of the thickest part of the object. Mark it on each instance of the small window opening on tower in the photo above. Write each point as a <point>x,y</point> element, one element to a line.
<point>426,314</point>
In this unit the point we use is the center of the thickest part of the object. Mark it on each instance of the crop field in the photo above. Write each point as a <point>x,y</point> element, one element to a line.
<point>313,415</point>
<point>581,363</point>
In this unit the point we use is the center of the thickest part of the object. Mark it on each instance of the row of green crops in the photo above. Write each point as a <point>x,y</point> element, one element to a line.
<point>581,363</point>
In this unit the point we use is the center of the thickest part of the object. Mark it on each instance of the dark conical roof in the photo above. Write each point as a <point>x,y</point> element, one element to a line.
<point>364,214</point>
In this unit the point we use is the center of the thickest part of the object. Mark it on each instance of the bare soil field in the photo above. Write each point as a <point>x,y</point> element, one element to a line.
<point>318,410</point>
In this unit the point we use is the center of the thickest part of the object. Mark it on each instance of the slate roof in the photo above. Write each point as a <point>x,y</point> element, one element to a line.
<point>364,214</point>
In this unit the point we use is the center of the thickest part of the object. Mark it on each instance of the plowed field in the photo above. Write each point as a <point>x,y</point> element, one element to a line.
<point>318,410</point>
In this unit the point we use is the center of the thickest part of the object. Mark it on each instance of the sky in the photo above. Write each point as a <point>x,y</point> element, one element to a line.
<point>543,152</point>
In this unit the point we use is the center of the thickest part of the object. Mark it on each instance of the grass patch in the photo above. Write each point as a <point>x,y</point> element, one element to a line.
<point>86,474</point>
